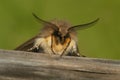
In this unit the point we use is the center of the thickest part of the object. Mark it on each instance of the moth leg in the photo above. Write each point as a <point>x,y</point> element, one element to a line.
<point>78,53</point>
<point>37,45</point>
<point>35,48</point>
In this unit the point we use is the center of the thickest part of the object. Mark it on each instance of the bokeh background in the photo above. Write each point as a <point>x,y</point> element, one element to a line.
<point>101,41</point>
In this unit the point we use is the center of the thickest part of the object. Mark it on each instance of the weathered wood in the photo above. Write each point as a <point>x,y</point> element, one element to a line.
<point>18,65</point>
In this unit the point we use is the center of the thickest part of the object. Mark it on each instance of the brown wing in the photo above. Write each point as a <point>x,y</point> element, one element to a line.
<point>27,45</point>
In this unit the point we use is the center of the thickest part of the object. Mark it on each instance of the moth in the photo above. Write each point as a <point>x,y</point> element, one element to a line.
<point>56,37</point>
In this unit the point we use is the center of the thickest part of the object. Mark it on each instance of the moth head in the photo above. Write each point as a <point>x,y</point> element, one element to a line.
<point>62,31</point>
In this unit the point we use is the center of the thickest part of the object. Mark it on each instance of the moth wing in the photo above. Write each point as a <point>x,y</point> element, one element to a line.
<point>26,45</point>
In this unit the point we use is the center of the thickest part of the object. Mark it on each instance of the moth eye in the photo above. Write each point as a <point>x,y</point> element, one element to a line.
<point>57,33</point>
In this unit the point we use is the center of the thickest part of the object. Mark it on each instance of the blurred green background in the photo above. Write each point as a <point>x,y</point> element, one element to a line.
<point>101,41</point>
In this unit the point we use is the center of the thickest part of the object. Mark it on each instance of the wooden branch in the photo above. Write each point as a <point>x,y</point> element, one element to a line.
<point>19,65</point>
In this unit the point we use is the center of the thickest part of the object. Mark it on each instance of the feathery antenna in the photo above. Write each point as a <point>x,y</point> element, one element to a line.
<point>84,26</point>
<point>45,22</point>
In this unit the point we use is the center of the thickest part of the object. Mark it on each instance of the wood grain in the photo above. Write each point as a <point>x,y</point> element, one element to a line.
<point>19,65</point>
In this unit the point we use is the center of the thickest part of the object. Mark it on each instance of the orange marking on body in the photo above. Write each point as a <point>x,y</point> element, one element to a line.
<point>58,47</point>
